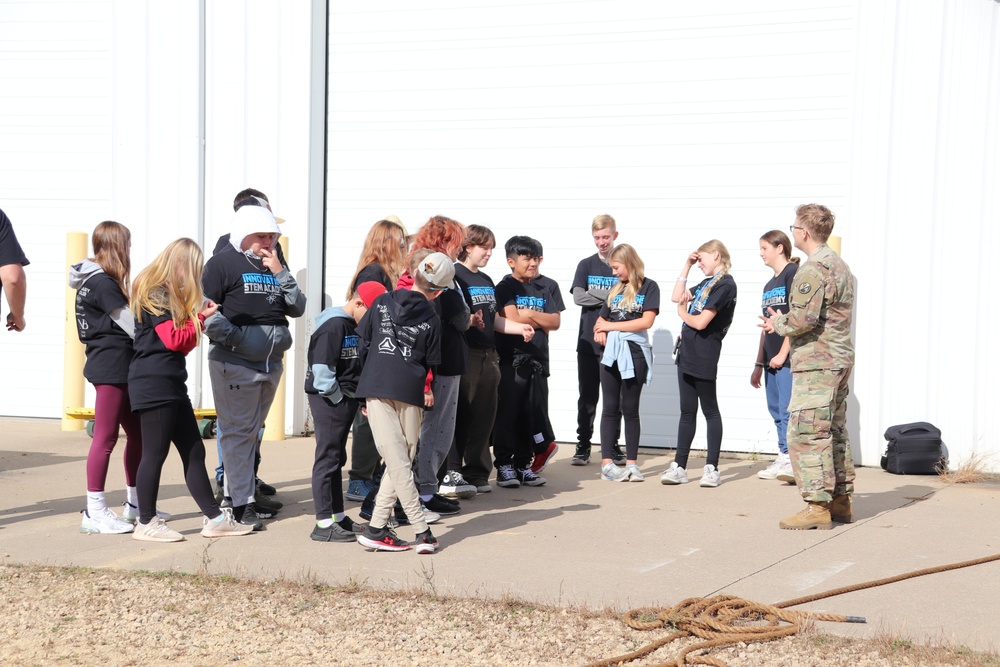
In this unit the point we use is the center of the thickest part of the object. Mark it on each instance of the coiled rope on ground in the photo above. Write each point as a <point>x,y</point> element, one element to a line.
<point>724,619</point>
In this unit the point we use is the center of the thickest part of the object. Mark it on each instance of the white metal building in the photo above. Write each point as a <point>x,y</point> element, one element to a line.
<point>686,121</point>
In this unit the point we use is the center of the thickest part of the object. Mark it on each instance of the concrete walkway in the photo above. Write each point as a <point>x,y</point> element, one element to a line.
<point>575,541</point>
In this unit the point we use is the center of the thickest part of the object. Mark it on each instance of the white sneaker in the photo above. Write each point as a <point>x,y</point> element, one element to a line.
<point>613,473</point>
<point>634,474</point>
<point>156,531</point>
<point>711,477</point>
<point>782,464</point>
<point>674,475</point>
<point>453,485</point>
<point>131,513</point>
<point>105,522</point>
<point>226,526</point>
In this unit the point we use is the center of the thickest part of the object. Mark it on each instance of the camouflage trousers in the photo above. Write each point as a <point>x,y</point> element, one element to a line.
<point>817,434</point>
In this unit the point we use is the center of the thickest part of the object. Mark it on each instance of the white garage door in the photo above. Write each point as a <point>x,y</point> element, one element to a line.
<point>685,121</point>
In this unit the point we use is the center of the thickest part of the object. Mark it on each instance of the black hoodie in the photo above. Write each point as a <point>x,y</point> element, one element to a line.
<point>399,341</point>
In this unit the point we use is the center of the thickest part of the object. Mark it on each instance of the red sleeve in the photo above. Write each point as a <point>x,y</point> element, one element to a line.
<point>428,380</point>
<point>181,340</point>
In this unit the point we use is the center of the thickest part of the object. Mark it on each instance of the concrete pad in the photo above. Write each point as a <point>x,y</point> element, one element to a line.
<point>577,540</point>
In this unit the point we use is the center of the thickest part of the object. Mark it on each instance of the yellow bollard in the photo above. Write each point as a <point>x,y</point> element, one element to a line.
<point>274,423</point>
<point>74,352</point>
<point>834,243</point>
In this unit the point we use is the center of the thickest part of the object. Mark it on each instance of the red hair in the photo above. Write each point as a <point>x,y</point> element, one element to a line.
<point>440,234</point>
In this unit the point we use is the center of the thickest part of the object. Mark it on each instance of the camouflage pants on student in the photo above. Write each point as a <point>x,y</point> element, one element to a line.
<point>817,434</point>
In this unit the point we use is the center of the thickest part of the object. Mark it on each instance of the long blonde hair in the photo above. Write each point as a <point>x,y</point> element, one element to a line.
<point>385,245</point>
<point>171,284</point>
<point>625,254</point>
<point>112,241</point>
<point>715,246</point>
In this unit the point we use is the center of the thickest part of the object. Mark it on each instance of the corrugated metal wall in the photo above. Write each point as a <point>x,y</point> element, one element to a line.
<point>683,122</point>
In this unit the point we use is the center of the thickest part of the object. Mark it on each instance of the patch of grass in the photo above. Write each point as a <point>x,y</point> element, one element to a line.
<point>972,470</point>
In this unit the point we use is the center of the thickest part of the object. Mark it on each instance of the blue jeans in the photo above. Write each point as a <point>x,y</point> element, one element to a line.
<point>778,387</point>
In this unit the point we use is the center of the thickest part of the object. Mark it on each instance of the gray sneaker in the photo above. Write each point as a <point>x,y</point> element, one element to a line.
<point>156,531</point>
<point>225,526</point>
<point>633,472</point>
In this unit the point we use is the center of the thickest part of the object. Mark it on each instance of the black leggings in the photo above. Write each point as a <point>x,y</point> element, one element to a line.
<point>693,390</point>
<point>174,421</point>
<point>621,399</point>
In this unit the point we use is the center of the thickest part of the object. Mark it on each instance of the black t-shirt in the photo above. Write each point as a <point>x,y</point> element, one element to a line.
<point>700,350</point>
<point>648,298</point>
<point>157,375</point>
<point>590,273</point>
<point>246,291</point>
<point>776,294</point>
<point>540,294</point>
<point>109,348</point>
<point>480,295</point>
<point>10,249</point>
<point>399,342</point>
<point>335,344</point>
<point>372,273</point>
<point>454,349</point>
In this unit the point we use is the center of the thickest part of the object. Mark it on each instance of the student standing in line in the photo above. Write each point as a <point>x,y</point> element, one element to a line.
<point>382,260</point>
<point>247,197</point>
<point>105,325</point>
<point>169,312</point>
<point>773,359</point>
<point>522,433</point>
<point>627,364</point>
<point>400,339</point>
<point>332,373</point>
<point>706,310</point>
<point>591,284</point>
<point>249,333</point>
<point>477,392</point>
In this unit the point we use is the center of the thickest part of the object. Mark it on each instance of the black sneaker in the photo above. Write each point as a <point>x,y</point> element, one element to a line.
<point>452,501</point>
<point>581,457</point>
<point>425,542</point>
<point>265,488</point>
<point>350,526</point>
<point>261,511</point>
<point>617,455</point>
<point>528,478</point>
<point>334,533</point>
<point>441,506</point>
<point>220,492</point>
<point>507,478</point>
<point>250,518</point>
<point>399,515</point>
<point>381,539</point>
<point>267,504</point>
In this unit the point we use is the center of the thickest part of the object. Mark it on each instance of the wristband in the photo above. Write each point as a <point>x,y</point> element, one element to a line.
<point>759,365</point>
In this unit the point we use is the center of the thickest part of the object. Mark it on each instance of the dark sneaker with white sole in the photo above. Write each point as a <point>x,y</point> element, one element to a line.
<point>425,543</point>
<point>581,457</point>
<point>382,539</point>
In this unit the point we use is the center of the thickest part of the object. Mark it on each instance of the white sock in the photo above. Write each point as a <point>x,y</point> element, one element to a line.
<point>426,498</point>
<point>324,523</point>
<point>95,502</point>
<point>131,497</point>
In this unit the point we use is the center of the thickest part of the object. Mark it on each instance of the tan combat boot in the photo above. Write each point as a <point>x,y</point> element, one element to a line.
<point>840,509</point>
<point>815,515</point>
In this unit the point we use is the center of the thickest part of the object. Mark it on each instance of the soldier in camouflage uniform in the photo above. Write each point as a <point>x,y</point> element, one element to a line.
<point>819,326</point>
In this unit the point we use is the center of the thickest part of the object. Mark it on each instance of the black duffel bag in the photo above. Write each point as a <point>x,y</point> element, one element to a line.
<point>914,449</point>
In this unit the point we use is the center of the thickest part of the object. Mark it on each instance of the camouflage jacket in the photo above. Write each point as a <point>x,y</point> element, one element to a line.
<point>821,307</point>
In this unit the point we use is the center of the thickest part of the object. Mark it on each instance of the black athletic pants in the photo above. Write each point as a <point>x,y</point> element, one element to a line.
<point>160,425</point>
<point>621,398</point>
<point>692,391</point>
<point>333,424</point>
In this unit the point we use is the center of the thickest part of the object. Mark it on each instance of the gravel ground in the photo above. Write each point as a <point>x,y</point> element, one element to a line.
<point>76,616</point>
